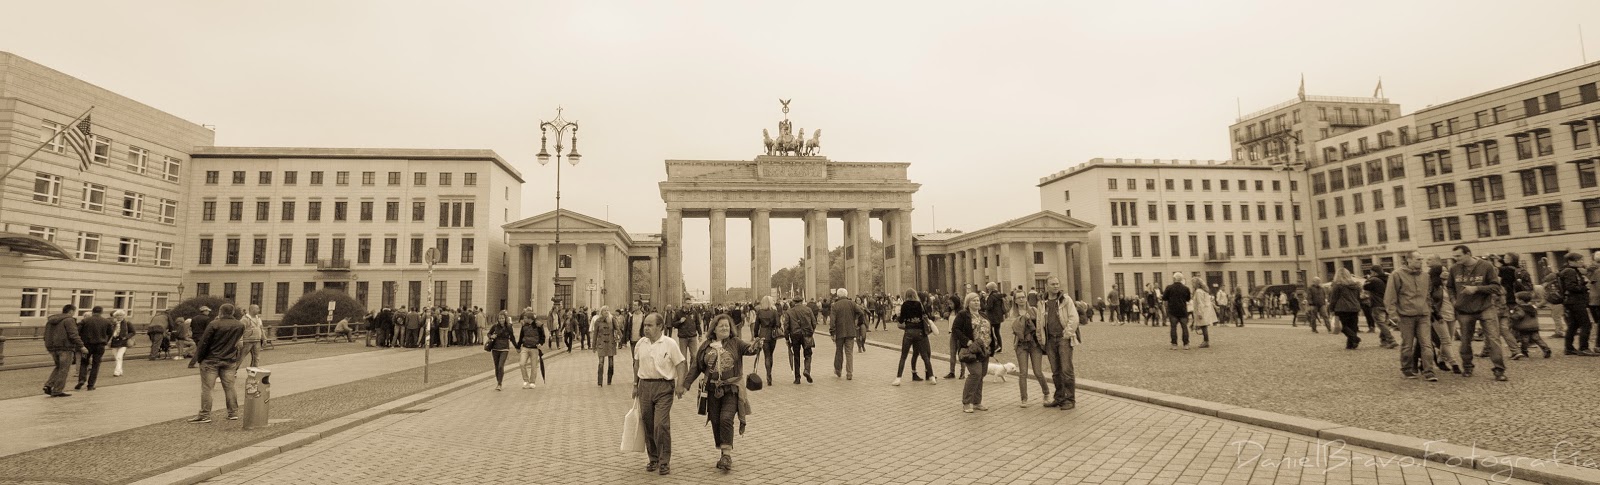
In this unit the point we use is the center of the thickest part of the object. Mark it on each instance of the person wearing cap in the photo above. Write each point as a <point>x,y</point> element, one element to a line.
<point>846,317</point>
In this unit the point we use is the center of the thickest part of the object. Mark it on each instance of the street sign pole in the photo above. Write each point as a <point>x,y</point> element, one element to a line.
<point>427,325</point>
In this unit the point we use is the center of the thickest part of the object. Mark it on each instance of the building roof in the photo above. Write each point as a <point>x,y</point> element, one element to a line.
<point>358,153</point>
<point>1153,163</point>
<point>1470,97</point>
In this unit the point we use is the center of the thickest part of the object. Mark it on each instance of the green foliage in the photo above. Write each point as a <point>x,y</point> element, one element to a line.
<point>191,307</point>
<point>313,308</point>
<point>795,276</point>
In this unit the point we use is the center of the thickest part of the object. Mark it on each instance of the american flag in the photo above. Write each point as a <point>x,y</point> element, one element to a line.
<point>78,138</point>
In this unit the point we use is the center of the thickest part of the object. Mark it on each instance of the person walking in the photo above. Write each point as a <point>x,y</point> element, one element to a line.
<point>1406,297</point>
<point>845,318</point>
<point>96,333</point>
<point>61,339</point>
<point>217,352</point>
<point>721,360</point>
<point>1028,341</point>
<point>1475,285</point>
<point>767,329</point>
<point>1575,296</point>
<point>1345,301</point>
<point>1205,311</point>
<point>913,321</point>
<point>499,344</point>
<point>971,332</point>
<point>1177,297</point>
<point>798,329</point>
<point>1316,301</point>
<point>255,336</point>
<point>528,340</point>
<point>121,337</point>
<point>659,365</point>
<point>157,331</point>
<point>605,332</point>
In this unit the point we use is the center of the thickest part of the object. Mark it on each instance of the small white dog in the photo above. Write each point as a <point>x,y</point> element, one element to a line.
<point>1002,369</point>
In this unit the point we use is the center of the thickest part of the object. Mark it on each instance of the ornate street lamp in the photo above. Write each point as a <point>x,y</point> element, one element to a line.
<point>560,126</point>
<point>1289,164</point>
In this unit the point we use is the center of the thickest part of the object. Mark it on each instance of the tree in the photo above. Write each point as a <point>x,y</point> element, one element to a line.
<point>949,230</point>
<point>191,307</point>
<point>639,280</point>
<point>312,309</point>
<point>796,275</point>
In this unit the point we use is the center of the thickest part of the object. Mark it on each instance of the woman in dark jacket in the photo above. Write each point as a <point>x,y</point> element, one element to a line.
<point>721,360</point>
<point>971,333</point>
<point>767,330</point>
<point>501,341</point>
<point>914,321</point>
<point>1345,301</point>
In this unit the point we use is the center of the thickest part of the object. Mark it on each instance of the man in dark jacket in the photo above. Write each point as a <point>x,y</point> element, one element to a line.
<point>1374,288</point>
<point>1177,297</point>
<point>1316,301</point>
<point>845,319</point>
<point>62,341</point>
<point>1475,284</point>
<point>217,352</point>
<point>197,326</point>
<point>994,309</point>
<point>95,330</point>
<point>799,323</point>
<point>1575,300</point>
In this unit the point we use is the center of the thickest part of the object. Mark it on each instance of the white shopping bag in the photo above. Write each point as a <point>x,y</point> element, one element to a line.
<point>632,431</point>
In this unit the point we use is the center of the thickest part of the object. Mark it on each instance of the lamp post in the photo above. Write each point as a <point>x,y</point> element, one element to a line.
<point>1288,167</point>
<point>560,126</point>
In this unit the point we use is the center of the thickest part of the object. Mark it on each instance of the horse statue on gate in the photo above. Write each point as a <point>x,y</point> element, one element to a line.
<point>766,139</point>
<point>814,144</point>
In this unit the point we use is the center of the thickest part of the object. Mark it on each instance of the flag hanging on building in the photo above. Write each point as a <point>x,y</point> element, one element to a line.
<point>78,138</point>
<point>1378,89</point>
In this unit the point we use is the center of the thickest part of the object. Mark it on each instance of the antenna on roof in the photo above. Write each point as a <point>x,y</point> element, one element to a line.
<point>1581,50</point>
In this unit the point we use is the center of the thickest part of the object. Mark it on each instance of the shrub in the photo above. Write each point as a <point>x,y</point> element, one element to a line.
<point>313,309</point>
<point>191,307</point>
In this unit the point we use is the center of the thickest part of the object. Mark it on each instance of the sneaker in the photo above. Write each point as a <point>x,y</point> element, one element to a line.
<point>933,381</point>
<point>1185,346</point>
<point>1068,406</point>
<point>979,407</point>
<point>896,382</point>
<point>1466,372</point>
<point>663,470</point>
<point>1518,356</point>
<point>1205,345</point>
<point>650,467</point>
<point>966,408</point>
<point>1052,404</point>
<point>1430,377</point>
<point>496,387</point>
<point>951,375</point>
<point>1174,346</point>
<point>1409,375</point>
<point>233,417</point>
<point>849,377</point>
<point>1500,375</point>
<point>200,420</point>
<point>1455,369</point>
<point>1558,335</point>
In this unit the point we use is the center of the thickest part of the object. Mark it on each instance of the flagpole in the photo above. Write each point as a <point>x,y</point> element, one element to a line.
<point>35,151</point>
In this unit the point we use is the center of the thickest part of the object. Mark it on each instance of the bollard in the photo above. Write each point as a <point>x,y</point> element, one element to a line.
<point>257,397</point>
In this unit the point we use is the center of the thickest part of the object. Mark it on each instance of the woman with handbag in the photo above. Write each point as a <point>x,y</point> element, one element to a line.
<point>914,322</point>
<point>971,335</point>
<point>1204,313</point>
<point>1030,350</point>
<point>500,341</point>
<point>721,360</point>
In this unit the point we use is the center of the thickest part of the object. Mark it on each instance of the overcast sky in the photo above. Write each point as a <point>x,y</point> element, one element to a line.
<point>983,98</point>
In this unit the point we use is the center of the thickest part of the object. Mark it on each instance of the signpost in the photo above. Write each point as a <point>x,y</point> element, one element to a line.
<point>427,324</point>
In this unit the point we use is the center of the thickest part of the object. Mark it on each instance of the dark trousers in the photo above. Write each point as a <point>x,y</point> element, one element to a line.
<point>157,341</point>
<point>1526,339</point>
<point>1493,338</point>
<point>1059,351</point>
<point>1594,317</point>
<point>972,390</point>
<point>655,416</point>
<point>1577,326</point>
<point>798,349</point>
<point>58,377</point>
<point>1350,327</point>
<point>767,346</point>
<point>917,344</point>
<point>1176,323</point>
<point>499,357</point>
<point>722,411</point>
<point>89,366</point>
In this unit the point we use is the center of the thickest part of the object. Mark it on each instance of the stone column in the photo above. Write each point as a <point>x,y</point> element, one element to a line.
<point>1064,264</point>
<point>860,231</point>
<point>582,273</point>
<point>852,257</point>
<point>891,242</point>
<point>672,277</point>
<point>1083,271</point>
<point>543,275</point>
<point>656,286</point>
<point>719,256</point>
<point>760,253</point>
<point>948,274</point>
<point>1007,274</point>
<point>516,279</point>
<point>819,253</point>
<point>907,252</point>
<point>1027,265</point>
<point>983,278</point>
<point>925,267</point>
<point>808,265</point>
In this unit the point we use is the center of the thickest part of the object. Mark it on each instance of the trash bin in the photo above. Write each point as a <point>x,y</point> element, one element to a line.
<point>257,397</point>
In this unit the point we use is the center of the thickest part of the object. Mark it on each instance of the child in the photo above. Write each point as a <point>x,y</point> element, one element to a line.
<point>1525,322</point>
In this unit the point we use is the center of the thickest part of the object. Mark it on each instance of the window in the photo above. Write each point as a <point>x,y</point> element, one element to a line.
<point>389,245</point>
<point>35,302</point>
<point>316,177</point>
<point>1244,212</point>
<point>1553,211</point>
<point>1397,167</point>
<point>341,178</point>
<point>314,211</point>
<point>1449,194</point>
<point>1188,184</point>
<point>1344,236</point>
<point>1377,200</point>
<point>1530,182</point>
<point>169,211</point>
<point>202,289</point>
<point>1535,216</point>
<point>361,293</point>
<point>366,211</point>
<point>263,210</point>
<point>1189,211</point>
<point>444,250</point>
<point>419,179</point>
<point>286,250</point>
<point>1155,246</point>
<point>1552,102</point>
<point>1224,183</point>
<point>439,289</point>
<point>312,247</point>
<point>419,211</point>
<point>1151,214</point>
<point>1111,184</point>
<point>1356,204</point>
<point>89,246</point>
<point>94,197</point>
<point>133,205</point>
<point>1399,196</point>
<point>84,300</point>
<point>53,143</point>
<point>1227,212</point>
<point>1258,186</point>
<point>1261,212</point>
<point>1326,242</point>
<point>444,179</point>
<point>137,159</point>
<point>128,250</point>
<point>468,211</point>
<point>1194,246</point>
<point>1382,230</point>
<point>1587,94</point>
<point>416,250</point>
<point>230,291</point>
<point>164,254</point>
<point>1265,246</point>
<point>1322,209</point>
<point>1361,234</point>
<point>1228,244</point>
<point>1591,212</point>
<point>291,177</point>
<point>1149,184</point>
<point>1502,223</point>
<point>1402,228</point>
<point>1335,179</point>
<point>236,210</point>
<point>1586,173</point>
<point>232,254</point>
<point>47,188</point>
<point>1338,206</point>
<point>288,211</point>
<point>470,179</point>
<point>1177,248</point>
<point>1137,245</point>
<point>280,298</point>
<point>1296,210</point>
<point>364,250</point>
<point>1551,183</point>
<point>1479,193</point>
<point>466,293</point>
<point>340,210</point>
<point>1524,146</point>
<point>264,178</point>
<point>258,251</point>
<point>1541,141</point>
<point>338,249</point>
<point>1581,135</point>
<point>444,214</point>
<point>369,178</point>
<point>238,177</point>
<point>391,211</point>
<point>205,251</point>
<point>1474,157</point>
<point>1353,174</point>
<point>394,179</point>
<point>1116,246</point>
<point>1530,107</point>
<point>1497,187</point>
<point>1132,185</point>
<point>1208,212</point>
<point>389,289</point>
<point>100,150</point>
<point>1277,186</point>
<point>1172,184</point>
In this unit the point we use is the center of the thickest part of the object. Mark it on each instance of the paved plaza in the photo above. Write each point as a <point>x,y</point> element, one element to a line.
<point>832,431</point>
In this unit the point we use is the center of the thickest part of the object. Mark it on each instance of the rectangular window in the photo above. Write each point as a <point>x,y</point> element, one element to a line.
<point>236,210</point>
<point>164,254</point>
<point>391,211</point>
<point>1209,216</point>
<point>230,291</point>
<point>1402,228</point>
<point>238,177</point>
<point>366,211</point>
<point>1557,222</point>
<point>444,179</point>
<point>128,250</point>
<point>1474,158</point>
<point>264,178</point>
<point>285,250</point>
<point>1194,246</point>
<point>1551,182</point>
<point>444,214</point>
<point>1176,247</point>
<point>340,208</point>
<point>468,215</point>
<point>94,197</point>
<point>1502,223</point>
<point>1587,94</point>
<point>262,210</point>
<point>205,251</point>
<point>280,297</point>
<point>1172,212</point>
<point>1581,136</point>
<point>1586,173</point>
<point>364,250</point>
<point>419,211</point>
<point>1361,234</point>
<point>1449,194</point>
<point>389,247</point>
<point>1524,147</point>
<point>1189,211</point>
<point>1151,213</point>
<point>1535,216</point>
<point>137,159</point>
<point>361,294</point>
<point>1552,102</point>
<point>1541,142</point>
<point>1228,244</point>
<point>1188,184</point>
<point>1479,192</point>
<point>1322,209</point>
<point>316,177</point>
<point>1356,205</point>
<point>1266,248</point>
<point>314,211</point>
<point>1227,212</point>
<point>1591,213</point>
<point>202,289</point>
<point>1261,212</point>
<point>84,300</point>
<point>287,211</point>
<point>470,179</point>
<point>419,179</point>
<point>89,246</point>
<point>169,211</point>
<point>1377,199</point>
<point>1336,179</point>
<point>341,178</point>
<point>1530,182</point>
<point>1116,246</point>
<point>1344,236</point>
<point>338,249</point>
<point>444,250</point>
<point>313,247</point>
<point>1497,187</point>
<point>36,302</point>
<point>47,188</point>
<point>466,293</point>
<point>394,178</point>
<point>291,177</point>
<point>1137,245</point>
<point>133,205</point>
<point>171,172</point>
<point>439,290</point>
<point>1155,246</point>
<point>1383,231</point>
<point>416,250</point>
<point>258,251</point>
<point>389,288</point>
<point>1338,206</point>
<point>369,178</point>
<point>232,255</point>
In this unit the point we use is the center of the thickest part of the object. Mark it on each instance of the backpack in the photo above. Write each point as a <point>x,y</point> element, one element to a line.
<point>1553,294</point>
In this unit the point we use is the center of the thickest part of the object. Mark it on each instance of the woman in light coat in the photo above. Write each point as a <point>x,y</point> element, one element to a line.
<point>1204,311</point>
<point>605,332</point>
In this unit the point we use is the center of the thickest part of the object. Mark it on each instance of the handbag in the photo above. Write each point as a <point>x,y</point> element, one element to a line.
<point>632,430</point>
<point>932,329</point>
<point>704,404</point>
<point>752,381</point>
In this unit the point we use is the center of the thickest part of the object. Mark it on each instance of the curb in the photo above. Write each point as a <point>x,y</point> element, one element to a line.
<point>1505,464</point>
<point>227,462</point>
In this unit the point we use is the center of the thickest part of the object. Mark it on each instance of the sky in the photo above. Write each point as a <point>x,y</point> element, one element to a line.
<point>982,98</point>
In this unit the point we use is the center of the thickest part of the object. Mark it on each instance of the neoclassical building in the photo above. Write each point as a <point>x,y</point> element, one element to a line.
<point>1025,251</point>
<point>591,265</point>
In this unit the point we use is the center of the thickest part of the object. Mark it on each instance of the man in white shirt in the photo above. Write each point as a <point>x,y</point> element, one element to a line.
<point>658,365</point>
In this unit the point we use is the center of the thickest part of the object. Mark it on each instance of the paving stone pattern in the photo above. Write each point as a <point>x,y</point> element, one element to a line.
<point>833,431</point>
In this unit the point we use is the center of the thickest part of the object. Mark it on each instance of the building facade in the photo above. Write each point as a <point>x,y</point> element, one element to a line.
<point>1024,252</point>
<point>1230,223</point>
<point>268,225</point>
<point>1362,199</point>
<point>1523,159</point>
<point>120,220</point>
<point>1282,131</point>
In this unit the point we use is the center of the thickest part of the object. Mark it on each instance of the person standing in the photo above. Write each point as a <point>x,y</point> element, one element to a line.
<point>528,341</point>
<point>217,352</point>
<point>767,329</point>
<point>157,331</point>
<point>96,333</point>
<point>1114,303</point>
<point>799,329</point>
<point>914,322</point>
<point>721,361</point>
<point>971,333</point>
<point>955,310</point>
<point>1205,311</point>
<point>606,333</point>
<point>1177,297</point>
<point>499,344</point>
<point>255,336</point>
<point>1028,342</point>
<point>61,339</point>
<point>845,328</point>
<point>1575,298</point>
<point>121,336</point>
<point>1406,297</point>
<point>659,365</point>
<point>1345,301</point>
<point>1594,297</point>
<point>1060,320</point>
<point>1475,284</point>
<point>994,310</point>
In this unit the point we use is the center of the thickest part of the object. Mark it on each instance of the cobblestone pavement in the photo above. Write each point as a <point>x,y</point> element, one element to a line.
<point>833,431</point>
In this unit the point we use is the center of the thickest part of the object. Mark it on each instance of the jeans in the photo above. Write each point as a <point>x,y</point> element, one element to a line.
<point>1411,328</point>
<point>722,411</point>
<point>1031,358</point>
<point>1314,314</point>
<point>953,362</point>
<point>972,391</point>
<point>89,366</point>
<point>1577,326</point>
<point>530,363</point>
<point>209,373</point>
<point>1350,327</point>
<point>844,355</point>
<point>58,377</point>
<point>1178,321</point>
<point>252,351</point>
<point>157,341</point>
<point>655,415</point>
<point>1493,338</point>
<point>917,344</point>
<point>1059,351</point>
<point>499,357</point>
<point>1444,333</point>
